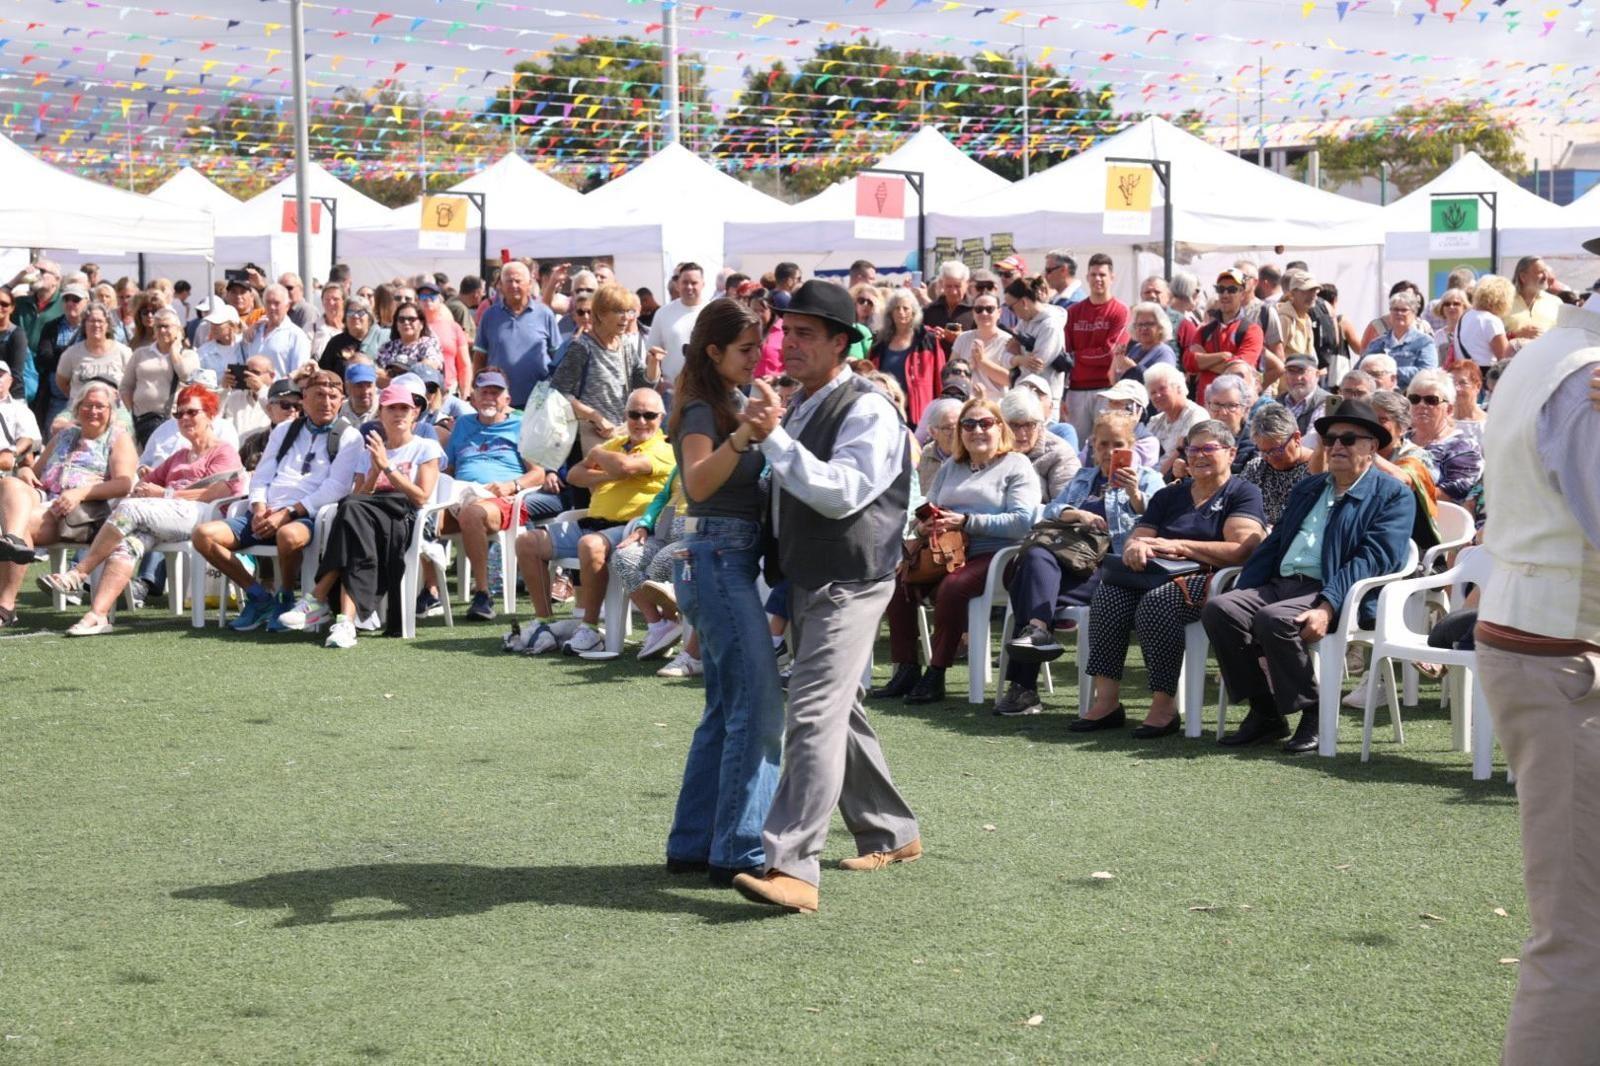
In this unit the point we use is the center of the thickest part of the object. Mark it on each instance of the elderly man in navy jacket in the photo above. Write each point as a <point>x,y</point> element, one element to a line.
<point>1350,523</point>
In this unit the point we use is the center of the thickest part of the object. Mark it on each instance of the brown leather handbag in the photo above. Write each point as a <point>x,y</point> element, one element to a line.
<point>929,559</point>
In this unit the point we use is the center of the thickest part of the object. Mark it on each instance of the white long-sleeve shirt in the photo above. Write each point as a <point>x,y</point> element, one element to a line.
<point>305,476</point>
<point>867,454</point>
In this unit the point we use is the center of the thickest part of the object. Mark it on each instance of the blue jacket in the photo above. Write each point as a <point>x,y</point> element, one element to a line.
<point>1367,535</point>
<point>1412,353</point>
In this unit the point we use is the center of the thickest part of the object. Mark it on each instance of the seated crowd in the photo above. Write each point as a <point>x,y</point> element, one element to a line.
<point>1104,461</point>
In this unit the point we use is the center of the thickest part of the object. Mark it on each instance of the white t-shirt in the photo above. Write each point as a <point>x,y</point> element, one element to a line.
<point>670,329</point>
<point>1047,329</point>
<point>17,423</point>
<point>1475,333</point>
<point>407,459</point>
<point>217,358</point>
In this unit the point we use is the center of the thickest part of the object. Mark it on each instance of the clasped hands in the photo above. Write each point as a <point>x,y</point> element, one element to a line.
<point>763,411</point>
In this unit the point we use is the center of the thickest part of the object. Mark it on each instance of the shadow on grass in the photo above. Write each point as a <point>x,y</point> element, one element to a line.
<point>449,890</point>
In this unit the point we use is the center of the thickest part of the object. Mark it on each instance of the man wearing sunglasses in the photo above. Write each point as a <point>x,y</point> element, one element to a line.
<point>623,475</point>
<point>42,305</point>
<point>1339,527</point>
<point>1230,335</point>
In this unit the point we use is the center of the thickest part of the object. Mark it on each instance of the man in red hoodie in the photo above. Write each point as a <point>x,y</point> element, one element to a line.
<point>1222,340</point>
<point>1094,328</point>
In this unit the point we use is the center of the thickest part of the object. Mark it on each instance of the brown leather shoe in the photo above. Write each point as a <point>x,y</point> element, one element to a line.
<point>877,860</point>
<point>778,890</point>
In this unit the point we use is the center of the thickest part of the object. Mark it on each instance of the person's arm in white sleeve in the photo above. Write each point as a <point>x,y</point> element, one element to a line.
<point>867,456</point>
<point>267,468</point>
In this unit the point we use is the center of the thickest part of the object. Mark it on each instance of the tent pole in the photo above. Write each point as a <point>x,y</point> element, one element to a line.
<point>302,141</point>
<point>669,67</point>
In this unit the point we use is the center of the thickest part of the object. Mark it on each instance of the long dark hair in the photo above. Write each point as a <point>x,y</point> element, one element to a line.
<point>720,324</point>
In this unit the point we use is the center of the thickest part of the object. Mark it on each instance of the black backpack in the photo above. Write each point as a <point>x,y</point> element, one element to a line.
<point>336,429</point>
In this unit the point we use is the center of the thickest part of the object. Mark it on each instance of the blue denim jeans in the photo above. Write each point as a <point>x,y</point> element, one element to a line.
<point>732,768</point>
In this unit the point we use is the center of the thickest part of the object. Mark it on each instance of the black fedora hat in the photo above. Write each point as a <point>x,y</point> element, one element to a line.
<point>1359,413</point>
<point>824,300</point>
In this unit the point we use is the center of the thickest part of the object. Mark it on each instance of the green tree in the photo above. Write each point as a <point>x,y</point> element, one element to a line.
<point>854,100</point>
<point>1418,143</point>
<point>599,100</point>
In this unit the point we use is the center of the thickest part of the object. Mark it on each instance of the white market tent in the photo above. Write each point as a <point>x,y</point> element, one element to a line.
<point>1529,225</point>
<point>253,231</point>
<point>530,213</point>
<point>1224,207</point>
<point>193,189</point>
<point>1583,220</point>
<point>188,188</point>
<point>820,232</point>
<point>76,218</point>
<point>686,202</point>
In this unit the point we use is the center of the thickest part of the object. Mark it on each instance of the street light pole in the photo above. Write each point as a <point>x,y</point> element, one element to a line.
<point>302,140</point>
<point>669,70</point>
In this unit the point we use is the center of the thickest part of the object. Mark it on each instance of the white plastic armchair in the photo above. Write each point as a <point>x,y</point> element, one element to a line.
<point>444,491</point>
<point>1456,530</point>
<point>1397,638</point>
<point>308,563</point>
<point>1328,655</point>
<point>1196,647</point>
<point>980,612</point>
<point>507,538</point>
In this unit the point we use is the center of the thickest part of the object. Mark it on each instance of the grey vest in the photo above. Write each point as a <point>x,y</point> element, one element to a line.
<point>813,550</point>
<point>1318,397</point>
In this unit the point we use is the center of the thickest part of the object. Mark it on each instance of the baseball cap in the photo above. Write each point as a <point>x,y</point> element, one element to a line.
<point>1011,263</point>
<point>1035,382</point>
<point>205,376</point>
<point>412,383</point>
<point>1234,275</point>
<point>395,393</point>
<point>1304,282</point>
<point>429,377</point>
<point>1128,389</point>
<point>221,313</point>
<point>1309,361</point>
<point>282,388</point>
<point>489,379</point>
<point>78,291</point>
<point>361,374</point>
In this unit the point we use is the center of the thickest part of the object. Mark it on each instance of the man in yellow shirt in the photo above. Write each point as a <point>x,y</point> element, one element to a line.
<point>623,475</point>
<point>1533,309</point>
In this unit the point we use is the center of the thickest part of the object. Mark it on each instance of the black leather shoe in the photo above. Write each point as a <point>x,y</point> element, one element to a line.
<point>900,682</point>
<point>686,866</point>
<point>1115,720</point>
<point>930,689</point>
<point>1305,735</point>
<point>1255,729</point>
<point>722,876</point>
<point>1146,731</point>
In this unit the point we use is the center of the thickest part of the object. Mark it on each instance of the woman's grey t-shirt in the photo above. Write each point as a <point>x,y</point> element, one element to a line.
<point>610,376</point>
<point>740,495</point>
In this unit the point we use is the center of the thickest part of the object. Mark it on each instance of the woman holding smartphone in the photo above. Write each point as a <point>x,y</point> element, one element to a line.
<point>732,768</point>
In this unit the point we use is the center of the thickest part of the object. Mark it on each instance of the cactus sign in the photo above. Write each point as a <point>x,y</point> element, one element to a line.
<point>1455,226</point>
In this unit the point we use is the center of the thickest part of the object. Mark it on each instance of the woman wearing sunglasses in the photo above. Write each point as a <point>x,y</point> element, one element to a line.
<point>1457,456</point>
<point>165,505</point>
<point>411,341</point>
<point>988,491</point>
<point>984,346</point>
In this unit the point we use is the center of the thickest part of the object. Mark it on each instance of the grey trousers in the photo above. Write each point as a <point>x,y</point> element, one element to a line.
<point>1244,620</point>
<point>831,756</point>
<point>1546,713</point>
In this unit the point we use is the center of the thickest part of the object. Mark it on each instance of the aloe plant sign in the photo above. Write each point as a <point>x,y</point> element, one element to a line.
<point>1455,226</point>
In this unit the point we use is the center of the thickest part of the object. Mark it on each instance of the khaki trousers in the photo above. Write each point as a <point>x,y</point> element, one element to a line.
<point>1547,715</point>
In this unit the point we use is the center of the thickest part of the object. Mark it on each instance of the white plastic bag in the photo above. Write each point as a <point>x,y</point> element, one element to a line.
<point>549,427</point>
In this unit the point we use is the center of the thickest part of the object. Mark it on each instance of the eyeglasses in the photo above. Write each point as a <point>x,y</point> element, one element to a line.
<point>1023,427</point>
<point>1352,394</point>
<point>1450,303</point>
<point>583,292</point>
<point>189,412</point>
<point>1204,449</point>
<point>864,300</point>
<point>986,309</point>
<point>287,405</point>
<point>1228,290</point>
<point>1007,275</point>
<point>1276,449</point>
<point>429,296</point>
<point>5,305</point>
<point>1219,406</point>
<point>1428,401</point>
<point>643,416</point>
<point>984,286</point>
<point>1347,439</point>
<point>957,372</point>
<point>407,318</point>
<point>979,425</point>
<point>582,312</point>
<point>146,311</point>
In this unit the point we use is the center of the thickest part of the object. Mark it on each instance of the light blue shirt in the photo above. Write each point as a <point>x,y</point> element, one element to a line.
<point>1304,557</point>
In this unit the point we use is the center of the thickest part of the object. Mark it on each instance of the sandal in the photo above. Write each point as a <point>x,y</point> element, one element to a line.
<point>67,582</point>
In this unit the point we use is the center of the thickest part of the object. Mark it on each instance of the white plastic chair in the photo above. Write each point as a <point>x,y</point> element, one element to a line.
<point>1456,530</point>
<point>1077,615</point>
<point>1328,656</point>
<point>617,611</point>
<point>182,559</point>
<point>411,581</point>
<point>1196,647</point>
<point>980,613</point>
<point>507,538</point>
<point>1396,638</point>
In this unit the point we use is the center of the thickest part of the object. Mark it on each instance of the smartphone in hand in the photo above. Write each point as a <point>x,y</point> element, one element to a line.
<point>1121,459</point>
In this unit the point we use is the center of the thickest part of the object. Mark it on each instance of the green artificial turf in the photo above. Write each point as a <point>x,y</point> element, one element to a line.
<point>223,848</point>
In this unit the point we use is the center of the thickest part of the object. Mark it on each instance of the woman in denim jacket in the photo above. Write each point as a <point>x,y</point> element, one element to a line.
<point>1038,587</point>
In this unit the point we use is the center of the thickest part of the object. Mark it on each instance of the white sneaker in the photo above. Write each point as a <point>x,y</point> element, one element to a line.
<point>305,613</point>
<point>369,623</point>
<point>587,638</point>
<point>89,626</point>
<point>1358,695</point>
<point>659,637</point>
<point>682,665</point>
<point>342,635</point>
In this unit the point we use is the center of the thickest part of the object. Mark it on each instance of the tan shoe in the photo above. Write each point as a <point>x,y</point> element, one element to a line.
<point>877,860</point>
<point>778,890</point>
